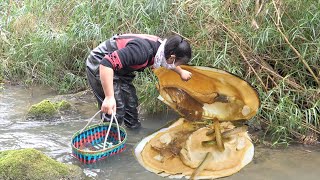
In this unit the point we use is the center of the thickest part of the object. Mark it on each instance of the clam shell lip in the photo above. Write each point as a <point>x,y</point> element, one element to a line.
<point>255,92</point>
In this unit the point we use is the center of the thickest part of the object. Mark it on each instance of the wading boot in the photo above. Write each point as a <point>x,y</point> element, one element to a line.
<point>134,125</point>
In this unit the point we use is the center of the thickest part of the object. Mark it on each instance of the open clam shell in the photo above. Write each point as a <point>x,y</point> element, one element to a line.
<point>210,93</point>
<point>239,152</point>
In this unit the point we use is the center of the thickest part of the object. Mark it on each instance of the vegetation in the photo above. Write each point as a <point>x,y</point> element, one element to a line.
<point>273,44</point>
<point>32,164</point>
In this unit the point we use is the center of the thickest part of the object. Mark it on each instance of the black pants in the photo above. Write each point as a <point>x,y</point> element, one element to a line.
<point>124,93</point>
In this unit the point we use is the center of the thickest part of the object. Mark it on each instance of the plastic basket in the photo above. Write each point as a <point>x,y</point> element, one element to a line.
<point>99,141</point>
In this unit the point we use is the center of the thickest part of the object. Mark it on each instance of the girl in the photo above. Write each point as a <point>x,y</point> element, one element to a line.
<point>110,68</point>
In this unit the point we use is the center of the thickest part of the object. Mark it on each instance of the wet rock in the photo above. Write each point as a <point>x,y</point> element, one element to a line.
<point>47,109</point>
<point>33,164</point>
<point>43,109</point>
<point>62,107</point>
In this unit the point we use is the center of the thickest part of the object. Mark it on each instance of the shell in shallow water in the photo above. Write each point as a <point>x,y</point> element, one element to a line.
<point>239,152</point>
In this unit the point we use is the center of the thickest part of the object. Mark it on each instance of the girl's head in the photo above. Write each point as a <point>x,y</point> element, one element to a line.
<point>177,50</point>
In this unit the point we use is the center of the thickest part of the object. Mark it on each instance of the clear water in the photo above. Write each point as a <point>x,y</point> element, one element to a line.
<point>53,138</point>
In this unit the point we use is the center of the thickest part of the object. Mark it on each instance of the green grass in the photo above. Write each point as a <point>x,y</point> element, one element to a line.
<point>47,42</point>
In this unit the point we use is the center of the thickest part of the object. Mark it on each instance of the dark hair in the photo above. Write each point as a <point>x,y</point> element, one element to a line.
<point>179,47</point>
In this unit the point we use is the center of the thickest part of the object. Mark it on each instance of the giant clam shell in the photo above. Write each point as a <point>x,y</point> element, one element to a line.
<point>223,163</point>
<point>210,93</point>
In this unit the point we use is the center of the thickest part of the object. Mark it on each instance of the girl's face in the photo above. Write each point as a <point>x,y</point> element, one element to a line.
<point>170,62</point>
<point>171,59</point>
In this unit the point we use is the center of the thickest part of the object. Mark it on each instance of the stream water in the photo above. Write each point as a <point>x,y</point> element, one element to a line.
<point>53,138</point>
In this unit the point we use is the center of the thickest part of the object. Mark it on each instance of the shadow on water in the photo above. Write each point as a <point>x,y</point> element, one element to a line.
<point>53,138</point>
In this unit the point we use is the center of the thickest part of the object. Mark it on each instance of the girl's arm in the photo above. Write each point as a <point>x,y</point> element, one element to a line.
<point>184,74</point>
<point>106,77</point>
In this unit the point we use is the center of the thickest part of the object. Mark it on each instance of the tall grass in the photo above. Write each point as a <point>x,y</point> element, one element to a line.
<point>273,44</point>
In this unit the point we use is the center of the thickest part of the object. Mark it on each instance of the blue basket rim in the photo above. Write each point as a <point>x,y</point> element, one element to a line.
<point>102,150</point>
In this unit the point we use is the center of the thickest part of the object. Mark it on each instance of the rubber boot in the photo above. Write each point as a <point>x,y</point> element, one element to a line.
<point>130,102</point>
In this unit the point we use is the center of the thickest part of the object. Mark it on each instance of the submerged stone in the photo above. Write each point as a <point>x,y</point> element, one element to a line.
<point>33,164</point>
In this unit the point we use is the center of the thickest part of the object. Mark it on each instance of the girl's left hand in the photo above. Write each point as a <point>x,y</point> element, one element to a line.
<point>185,75</point>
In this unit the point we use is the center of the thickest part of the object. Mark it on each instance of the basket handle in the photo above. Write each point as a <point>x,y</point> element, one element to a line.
<point>90,121</point>
<point>113,116</point>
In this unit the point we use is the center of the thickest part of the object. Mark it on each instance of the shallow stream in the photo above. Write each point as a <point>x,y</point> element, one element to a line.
<point>53,138</point>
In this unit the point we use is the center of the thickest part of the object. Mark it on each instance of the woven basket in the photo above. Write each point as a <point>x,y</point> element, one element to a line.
<point>97,142</point>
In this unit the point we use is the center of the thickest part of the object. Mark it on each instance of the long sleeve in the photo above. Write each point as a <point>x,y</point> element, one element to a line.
<point>136,52</point>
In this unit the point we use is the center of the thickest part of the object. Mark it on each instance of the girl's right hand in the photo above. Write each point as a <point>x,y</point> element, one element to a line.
<point>185,75</point>
<point>109,105</point>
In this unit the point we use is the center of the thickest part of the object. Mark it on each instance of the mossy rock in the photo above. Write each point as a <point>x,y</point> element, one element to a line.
<point>43,109</point>
<point>48,109</point>
<point>33,164</point>
<point>62,105</point>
